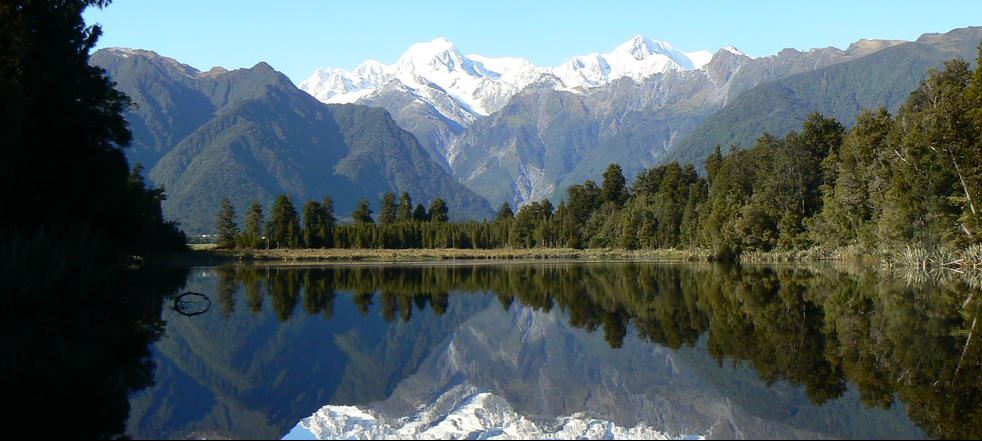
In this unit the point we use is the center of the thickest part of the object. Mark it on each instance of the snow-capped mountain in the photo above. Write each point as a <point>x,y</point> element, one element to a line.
<point>514,132</point>
<point>637,58</point>
<point>482,85</point>
<point>463,412</point>
<point>479,84</point>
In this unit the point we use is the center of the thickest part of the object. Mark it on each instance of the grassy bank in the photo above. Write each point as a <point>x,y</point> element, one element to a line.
<point>397,255</point>
<point>207,254</point>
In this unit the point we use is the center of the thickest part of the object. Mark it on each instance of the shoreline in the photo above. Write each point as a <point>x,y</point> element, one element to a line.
<point>208,254</point>
<point>212,256</point>
<point>848,260</point>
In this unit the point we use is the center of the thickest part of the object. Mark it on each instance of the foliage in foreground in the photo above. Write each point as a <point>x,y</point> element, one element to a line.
<point>65,182</point>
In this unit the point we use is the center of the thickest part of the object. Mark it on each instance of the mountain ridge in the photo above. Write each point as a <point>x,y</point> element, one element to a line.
<point>519,154</point>
<point>883,78</point>
<point>250,134</point>
<point>474,79</point>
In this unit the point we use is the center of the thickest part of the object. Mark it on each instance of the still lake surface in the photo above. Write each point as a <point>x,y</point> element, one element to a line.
<point>563,350</point>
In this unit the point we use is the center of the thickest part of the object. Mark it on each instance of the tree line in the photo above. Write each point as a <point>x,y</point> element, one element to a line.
<point>890,181</point>
<point>320,227</point>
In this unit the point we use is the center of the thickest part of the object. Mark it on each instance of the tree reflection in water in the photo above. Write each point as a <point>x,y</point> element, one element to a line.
<point>71,359</point>
<point>78,361</point>
<point>816,328</point>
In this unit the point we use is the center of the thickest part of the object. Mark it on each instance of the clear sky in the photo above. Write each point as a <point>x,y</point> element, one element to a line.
<point>298,36</point>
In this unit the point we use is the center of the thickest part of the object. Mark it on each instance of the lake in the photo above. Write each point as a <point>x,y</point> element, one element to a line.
<point>626,350</point>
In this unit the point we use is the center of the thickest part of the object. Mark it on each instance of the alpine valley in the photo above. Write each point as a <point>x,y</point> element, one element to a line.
<point>479,131</point>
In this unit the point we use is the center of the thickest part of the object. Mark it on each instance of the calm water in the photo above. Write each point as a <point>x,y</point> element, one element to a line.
<point>629,349</point>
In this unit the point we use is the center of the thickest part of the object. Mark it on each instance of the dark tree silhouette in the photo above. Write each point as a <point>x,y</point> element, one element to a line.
<point>63,124</point>
<point>362,214</point>
<point>439,211</point>
<point>387,212</point>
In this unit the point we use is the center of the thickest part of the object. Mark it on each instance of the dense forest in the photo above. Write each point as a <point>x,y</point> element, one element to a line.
<point>73,208</point>
<point>891,183</point>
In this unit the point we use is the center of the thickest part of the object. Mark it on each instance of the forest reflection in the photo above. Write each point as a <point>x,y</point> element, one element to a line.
<point>73,358</point>
<point>819,329</point>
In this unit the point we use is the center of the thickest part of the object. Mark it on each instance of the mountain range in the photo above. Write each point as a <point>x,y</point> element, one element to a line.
<point>481,131</point>
<point>437,91</point>
<point>250,134</point>
<point>482,85</point>
<point>884,78</point>
<point>514,132</point>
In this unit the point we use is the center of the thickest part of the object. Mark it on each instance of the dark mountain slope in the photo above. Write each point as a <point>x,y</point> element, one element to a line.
<point>250,135</point>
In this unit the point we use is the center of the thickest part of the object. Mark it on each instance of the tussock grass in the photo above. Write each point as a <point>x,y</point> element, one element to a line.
<point>923,258</point>
<point>816,254</point>
<point>917,265</point>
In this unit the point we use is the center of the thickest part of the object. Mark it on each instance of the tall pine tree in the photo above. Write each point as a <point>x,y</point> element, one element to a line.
<point>314,225</point>
<point>252,234</point>
<point>614,188</point>
<point>387,211</point>
<point>362,214</point>
<point>284,226</point>
<point>419,214</point>
<point>439,211</point>
<point>226,227</point>
<point>405,212</point>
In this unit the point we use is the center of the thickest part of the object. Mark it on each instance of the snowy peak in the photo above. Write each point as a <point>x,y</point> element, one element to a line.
<point>482,85</point>
<point>478,84</point>
<point>734,51</point>
<point>437,57</point>
<point>637,58</point>
<point>640,47</point>
<point>463,412</point>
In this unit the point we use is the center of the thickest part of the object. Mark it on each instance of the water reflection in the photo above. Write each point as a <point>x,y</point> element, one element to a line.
<point>71,359</point>
<point>281,342</point>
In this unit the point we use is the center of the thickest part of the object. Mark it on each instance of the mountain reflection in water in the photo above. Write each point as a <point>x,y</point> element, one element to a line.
<point>695,349</point>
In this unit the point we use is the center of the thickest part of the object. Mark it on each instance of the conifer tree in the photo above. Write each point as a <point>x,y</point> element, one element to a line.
<point>314,225</point>
<point>438,211</point>
<point>420,215</point>
<point>713,164</point>
<point>505,213</point>
<point>363,214</point>
<point>387,212</point>
<point>405,212</point>
<point>226,227</point>
<point>330,222</point>
<point>614,188</point>
<point>284,226</point>
<point>253,232</point>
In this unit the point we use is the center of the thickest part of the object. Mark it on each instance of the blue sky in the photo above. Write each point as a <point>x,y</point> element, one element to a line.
<point>297,36</point>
